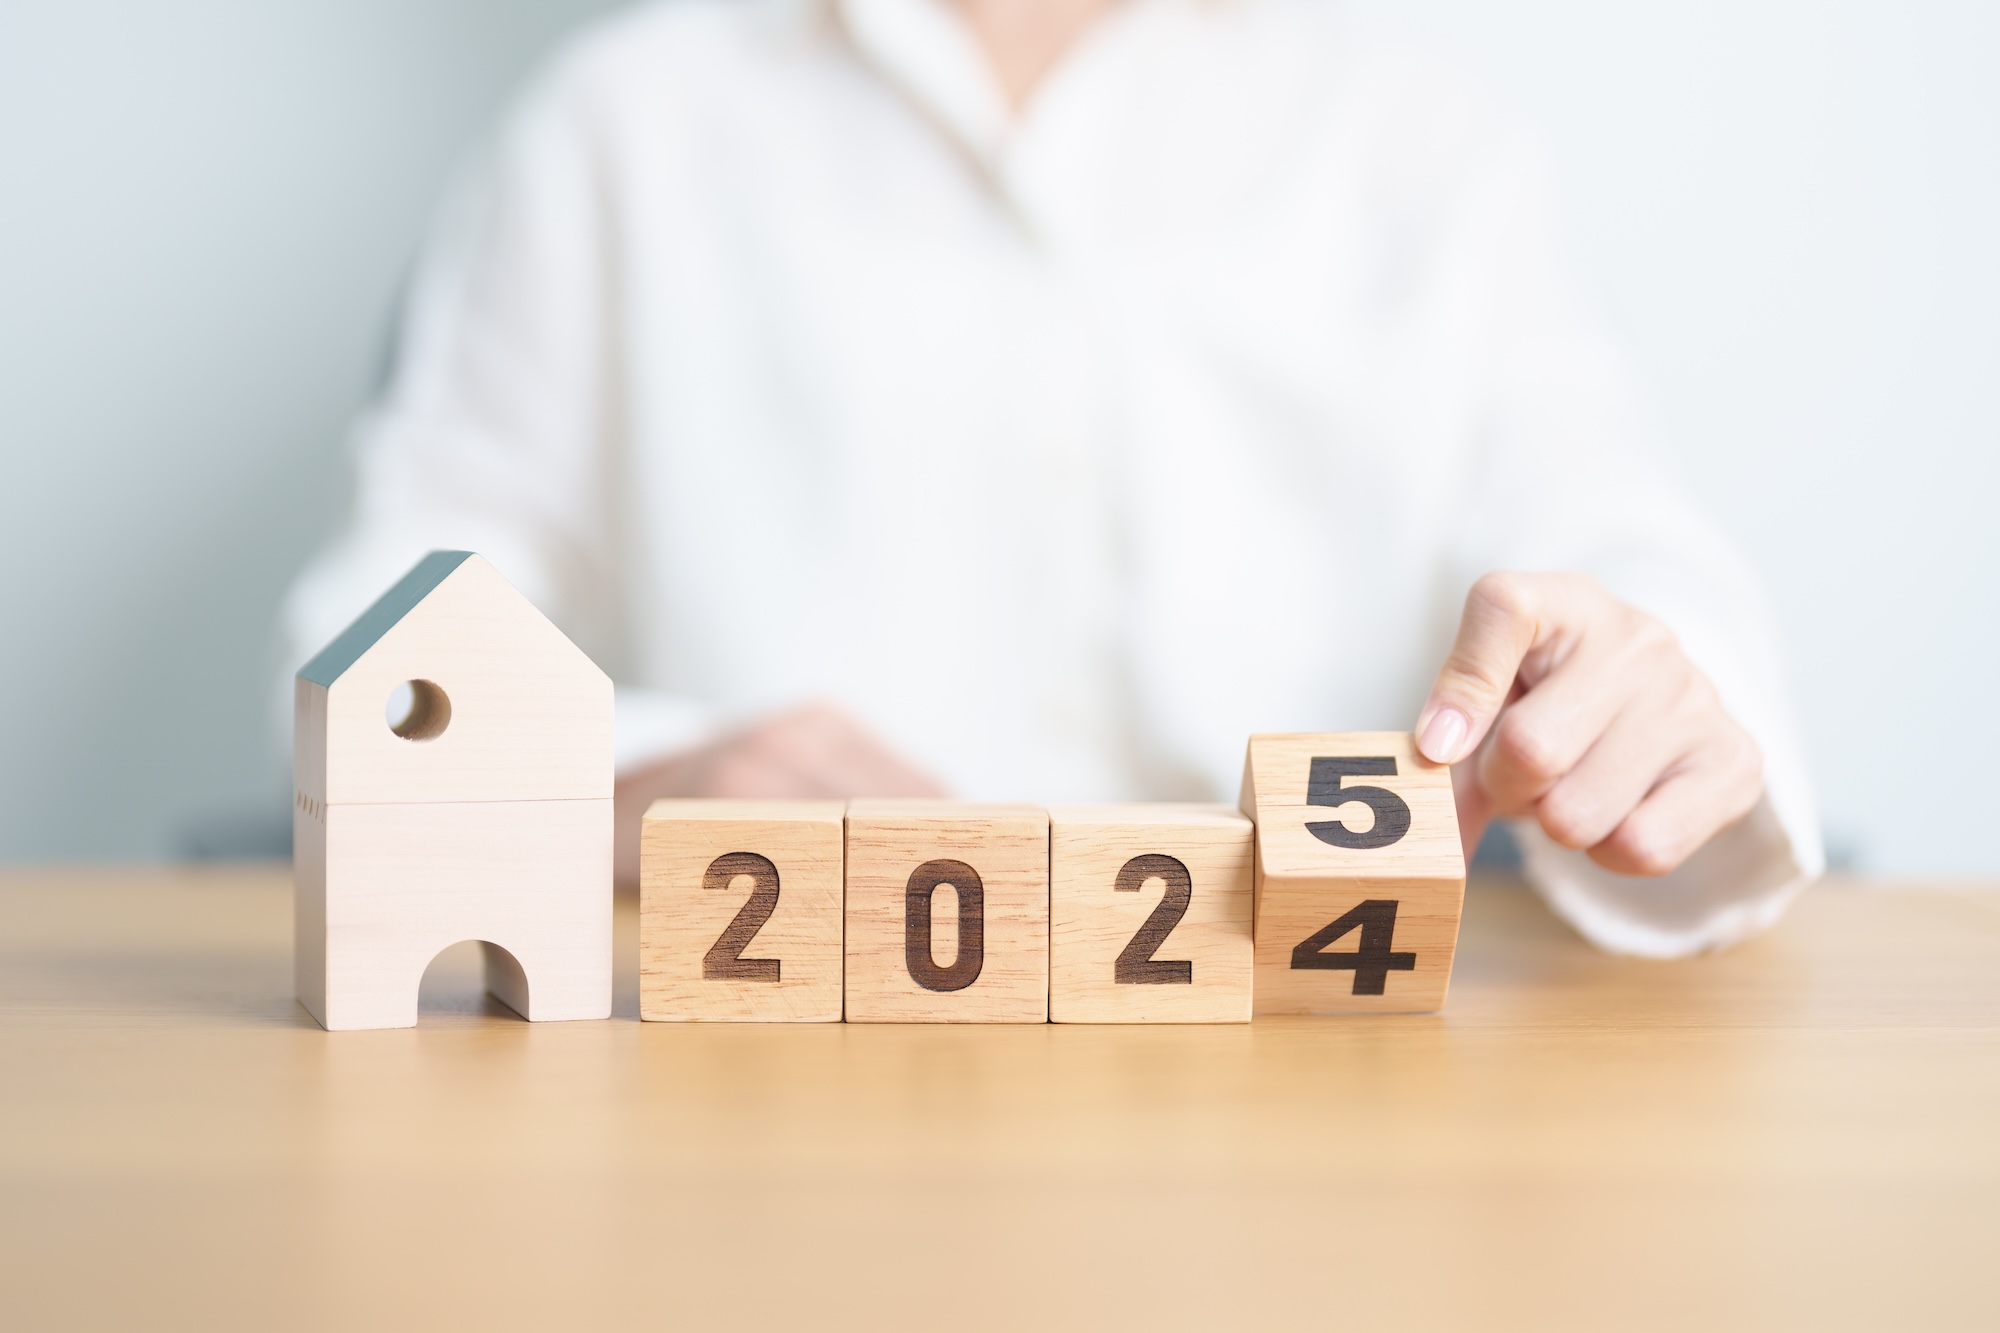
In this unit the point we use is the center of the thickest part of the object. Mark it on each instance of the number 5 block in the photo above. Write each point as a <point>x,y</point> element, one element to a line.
<point>1360,876</point>
<point>740,911</point>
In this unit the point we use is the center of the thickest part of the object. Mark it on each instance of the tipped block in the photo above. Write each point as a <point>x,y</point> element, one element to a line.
<point>1360,876</point>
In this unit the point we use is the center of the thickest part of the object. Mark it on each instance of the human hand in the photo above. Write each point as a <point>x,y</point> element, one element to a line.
<point>1583,712</point>
<point>815,751</point>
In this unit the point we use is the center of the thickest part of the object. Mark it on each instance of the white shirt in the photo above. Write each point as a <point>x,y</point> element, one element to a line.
<point>776,359</point>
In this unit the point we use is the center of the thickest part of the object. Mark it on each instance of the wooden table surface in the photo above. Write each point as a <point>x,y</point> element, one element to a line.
<point>1804,1132</point>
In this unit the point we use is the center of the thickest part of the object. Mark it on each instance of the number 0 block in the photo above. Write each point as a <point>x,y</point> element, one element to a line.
<point>947,912</point>
<point>1360,877</point>
<point>1149,914</point>
<point>740,911</point>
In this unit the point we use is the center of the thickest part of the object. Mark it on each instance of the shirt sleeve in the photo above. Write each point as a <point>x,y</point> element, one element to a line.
<point>1563,481</point>
<point>499,429</point>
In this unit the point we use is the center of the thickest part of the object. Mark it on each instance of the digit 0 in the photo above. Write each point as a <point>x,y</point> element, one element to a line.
<point>925,880</point>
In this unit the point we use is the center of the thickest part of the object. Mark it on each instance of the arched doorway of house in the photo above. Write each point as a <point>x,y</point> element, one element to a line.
<point>472,979</point>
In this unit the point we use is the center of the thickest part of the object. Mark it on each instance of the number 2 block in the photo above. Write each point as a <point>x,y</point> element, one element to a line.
<point>947,912</point>
<point>740,911</point>
<point>1360,876</point>
<point>1149,914</point>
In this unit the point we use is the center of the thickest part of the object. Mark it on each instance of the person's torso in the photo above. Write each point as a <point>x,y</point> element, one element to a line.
<point>1069,464</point>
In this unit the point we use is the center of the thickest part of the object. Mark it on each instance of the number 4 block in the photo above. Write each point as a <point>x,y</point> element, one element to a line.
<point>1360,876</point>
<point>740,911</point>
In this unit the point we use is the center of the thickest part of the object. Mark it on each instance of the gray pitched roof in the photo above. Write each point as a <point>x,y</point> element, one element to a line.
<point>347,648</point>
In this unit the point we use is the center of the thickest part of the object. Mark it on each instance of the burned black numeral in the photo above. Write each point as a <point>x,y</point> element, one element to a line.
<point>1392,813</point>
<point>1136,965</point>
<point>724,960</point>
<point>917,955</point>
<point>1372,961</point>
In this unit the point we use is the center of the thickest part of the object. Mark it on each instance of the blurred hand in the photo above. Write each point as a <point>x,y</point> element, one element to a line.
<point>816,751</point>
<point>1583,712</point>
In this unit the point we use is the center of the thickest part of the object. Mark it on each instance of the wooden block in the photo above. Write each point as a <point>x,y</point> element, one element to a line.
<point>947,912</point>
<point>1357,846</point>
<point>740,911</point>
<point>506,708</point>
<point>480,811</point>
<point>383,889</point>
<point>1149,914</point>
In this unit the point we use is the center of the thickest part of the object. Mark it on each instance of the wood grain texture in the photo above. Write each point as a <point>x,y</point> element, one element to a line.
<point>681,918</point>
<point>889,841</point>
<point>384,888</point>
<point>1308,880</point>
<point>1795,1133</point>
<point>1092,922</point>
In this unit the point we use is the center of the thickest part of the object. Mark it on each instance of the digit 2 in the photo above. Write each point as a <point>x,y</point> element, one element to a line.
<point>1136,965</point>
<point>724,960</point>
<point>917,956</point>
<point>1371,962</point>
<point>1392,814</point>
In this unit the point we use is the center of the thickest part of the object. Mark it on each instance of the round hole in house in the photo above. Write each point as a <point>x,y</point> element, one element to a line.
<point>417,710</point>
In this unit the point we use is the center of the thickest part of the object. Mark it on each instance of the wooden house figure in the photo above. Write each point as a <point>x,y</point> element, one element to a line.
<point>453,764</point>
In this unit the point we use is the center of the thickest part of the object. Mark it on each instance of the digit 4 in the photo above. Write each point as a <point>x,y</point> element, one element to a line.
<point>1372,961</point>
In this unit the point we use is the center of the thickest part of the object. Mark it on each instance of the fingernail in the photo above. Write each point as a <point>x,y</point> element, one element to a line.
<point>1444,735</point>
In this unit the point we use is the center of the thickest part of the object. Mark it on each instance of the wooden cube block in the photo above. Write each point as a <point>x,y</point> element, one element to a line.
<point>1360,876</point>
<point>383,888</point>
<point>740,911</point>
<point>1149,914</point>
<point>947,912</point>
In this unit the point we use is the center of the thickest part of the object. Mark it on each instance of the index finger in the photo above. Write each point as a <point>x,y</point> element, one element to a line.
<point>1507,617</point>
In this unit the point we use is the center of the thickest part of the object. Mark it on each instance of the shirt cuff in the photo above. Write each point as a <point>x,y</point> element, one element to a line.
<point>1739,883</point>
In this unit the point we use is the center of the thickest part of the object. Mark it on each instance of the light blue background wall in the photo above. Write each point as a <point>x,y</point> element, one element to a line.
<point>206,206</point>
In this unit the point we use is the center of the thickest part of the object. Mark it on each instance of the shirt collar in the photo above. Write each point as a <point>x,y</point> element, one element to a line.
<point>928,53</point>
<point>1150,72</point>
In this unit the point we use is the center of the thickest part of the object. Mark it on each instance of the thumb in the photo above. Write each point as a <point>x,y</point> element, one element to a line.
<point>1507,615</point>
